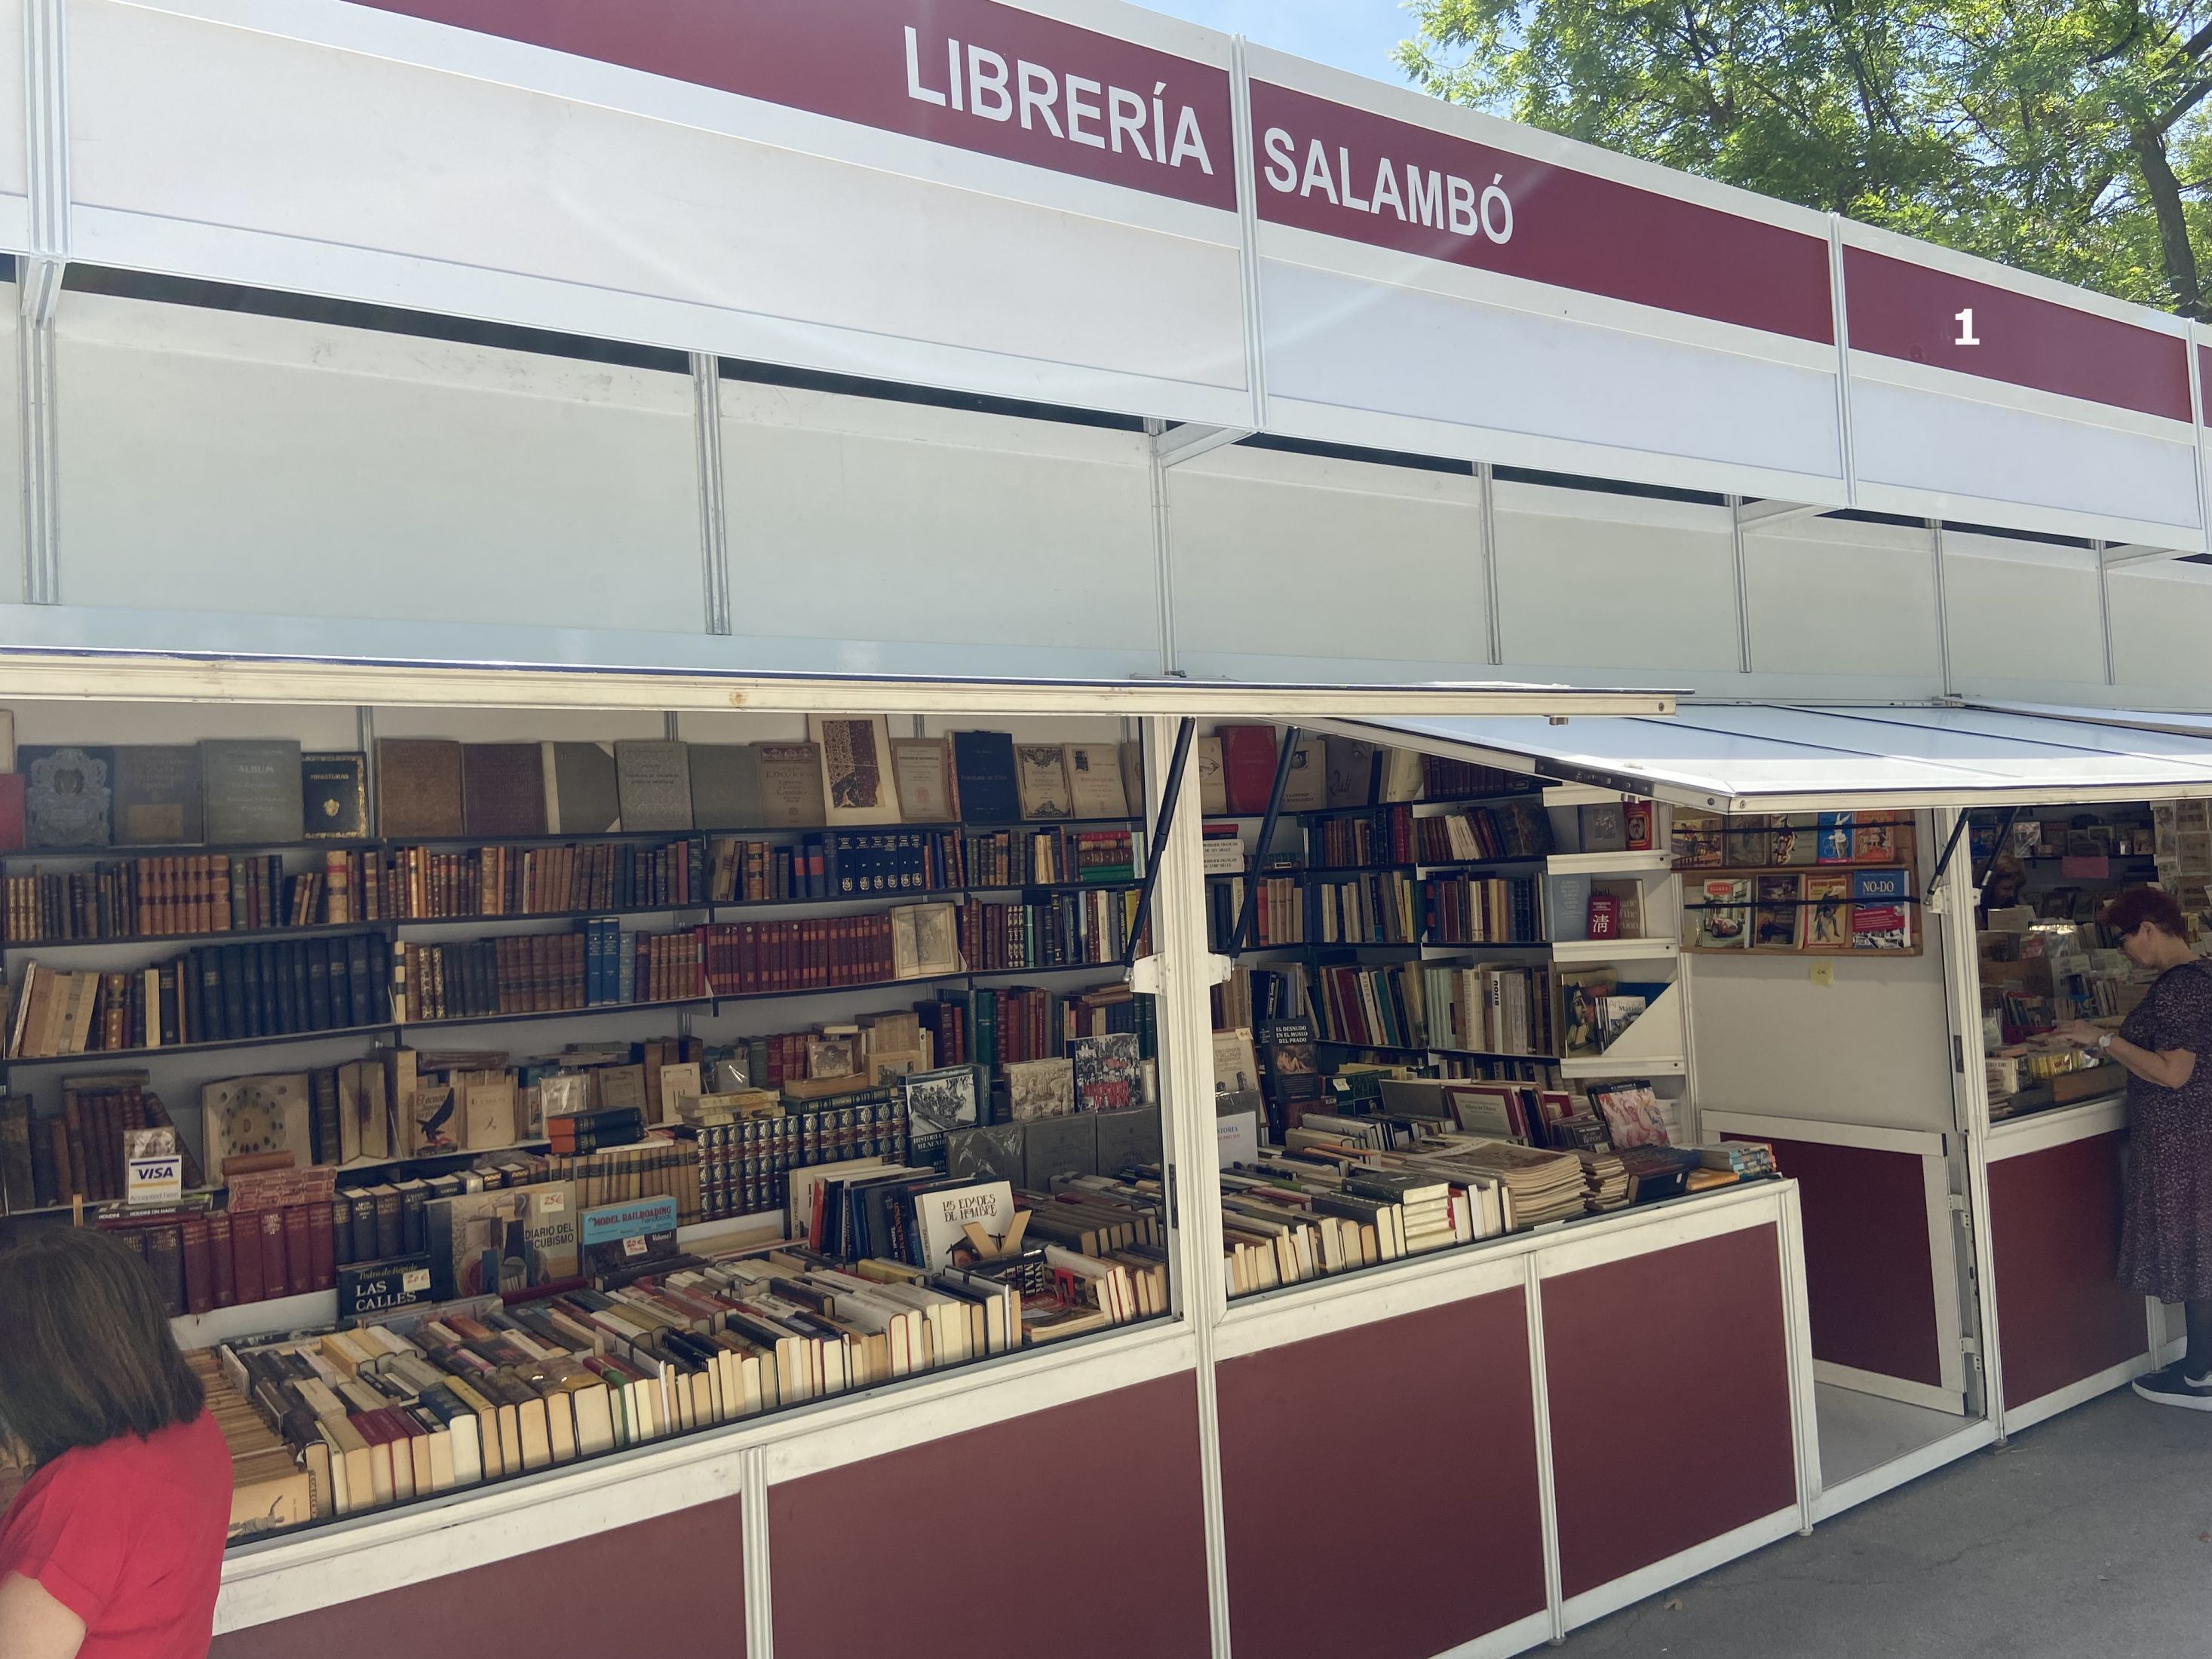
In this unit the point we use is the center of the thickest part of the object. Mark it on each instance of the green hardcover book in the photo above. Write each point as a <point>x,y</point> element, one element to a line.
<point>335,796</point>
<point>253,789</point>
<point>18,1191</point>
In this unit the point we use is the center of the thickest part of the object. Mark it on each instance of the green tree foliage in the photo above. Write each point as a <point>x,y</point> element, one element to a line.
<point>2068,137</point>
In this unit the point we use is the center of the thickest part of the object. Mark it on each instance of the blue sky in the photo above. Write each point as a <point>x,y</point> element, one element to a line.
<point>1353,34</point>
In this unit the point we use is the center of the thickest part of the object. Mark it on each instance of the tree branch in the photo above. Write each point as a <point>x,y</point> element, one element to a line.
<point>2165,192</point>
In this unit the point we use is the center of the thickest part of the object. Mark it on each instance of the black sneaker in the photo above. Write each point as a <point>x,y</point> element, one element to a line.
<point>2173,1387</point>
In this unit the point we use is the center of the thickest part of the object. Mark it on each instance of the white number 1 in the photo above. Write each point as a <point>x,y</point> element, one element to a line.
<point>1967,328</point>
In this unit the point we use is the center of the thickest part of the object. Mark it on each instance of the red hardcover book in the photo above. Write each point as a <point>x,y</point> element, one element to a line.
<point>1248,766</point>
<point>12,834</point>
<point>275,1270</point>
<point>246,1256</point>
<point>200,1266</point>
<point>299,1245</point>
<point>222,1259</point>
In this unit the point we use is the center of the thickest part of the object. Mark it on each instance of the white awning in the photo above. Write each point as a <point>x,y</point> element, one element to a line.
<point>154,677</point>
<point>1751,757</point>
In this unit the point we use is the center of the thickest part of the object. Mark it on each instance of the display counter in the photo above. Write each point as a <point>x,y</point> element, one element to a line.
<point>2067,1332</point>
<point>739,1523</point>
<point>1519,1435</point>
<point>1544,1406</point>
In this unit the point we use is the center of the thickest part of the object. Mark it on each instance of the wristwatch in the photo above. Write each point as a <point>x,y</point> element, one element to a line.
<point>2104,1042</point>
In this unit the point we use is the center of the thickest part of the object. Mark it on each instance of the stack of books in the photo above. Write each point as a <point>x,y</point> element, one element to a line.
<point>1608,1180</point>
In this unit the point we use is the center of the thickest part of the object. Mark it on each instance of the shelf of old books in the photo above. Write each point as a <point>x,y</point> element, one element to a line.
<point>1375,1111</point>
<point>529,1101</point>
<point>502,1150</point>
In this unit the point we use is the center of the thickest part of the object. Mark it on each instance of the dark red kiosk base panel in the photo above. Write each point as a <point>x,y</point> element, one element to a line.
<point>1078,1530</point>
<point>1869,1282</point>
<point>1406,1452</point>
<point>2055,1235</point>
<point>1670,1383</point>
<point>677,1579</point>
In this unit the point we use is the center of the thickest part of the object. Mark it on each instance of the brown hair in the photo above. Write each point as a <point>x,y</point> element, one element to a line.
<point>85,1350</point>
<point>2141,904</point>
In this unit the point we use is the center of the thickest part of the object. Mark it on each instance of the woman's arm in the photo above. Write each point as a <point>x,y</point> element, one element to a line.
<point>2169,1069</point>
<point>33,1625</point>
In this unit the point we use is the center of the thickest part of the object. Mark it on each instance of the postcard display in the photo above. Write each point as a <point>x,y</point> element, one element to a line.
<point>406,914</point>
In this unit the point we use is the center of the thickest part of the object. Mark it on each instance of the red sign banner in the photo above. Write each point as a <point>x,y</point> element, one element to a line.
<point>1344,171</point>
<point>971,74</point>
<point>1925,315</point>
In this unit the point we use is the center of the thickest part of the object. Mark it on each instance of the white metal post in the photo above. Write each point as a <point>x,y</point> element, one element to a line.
<point>753,1545</point>
<point>38,284</point>
<point>1179,974</point>
<point>2104,606</point>
<point>1548,1504</point>
<point>1162,555</point>
<point>1942,606</point>
<point>1485,484</point>
<point>713,518</point>
<point>1962,982</point>
<point>1742,586</point>
<point>1838,304</point>
<point>2197,426</point>
<point>1797,1330</point>
<point>1248,219</point>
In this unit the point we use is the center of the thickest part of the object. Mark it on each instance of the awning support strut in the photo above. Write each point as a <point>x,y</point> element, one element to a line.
<point>1157,838</point>
<point>1248,916</point>
<point>1957,830</point>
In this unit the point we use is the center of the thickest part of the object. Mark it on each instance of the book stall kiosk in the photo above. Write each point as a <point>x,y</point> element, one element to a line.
<point>761,1514</point>
<point>1042,367</point>
<point>1861,1069</point>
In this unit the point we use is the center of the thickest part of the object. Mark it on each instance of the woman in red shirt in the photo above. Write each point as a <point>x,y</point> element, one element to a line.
<point>113,1549</point>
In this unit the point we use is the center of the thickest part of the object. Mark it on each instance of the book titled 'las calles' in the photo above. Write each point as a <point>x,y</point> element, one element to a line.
<point>368,1288</point>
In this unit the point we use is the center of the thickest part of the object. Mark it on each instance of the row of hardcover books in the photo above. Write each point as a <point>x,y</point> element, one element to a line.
<point>171,895</point>
<point>1394,836</point>
<point>455,1394</point>
<point>1436,1006</point>
<point>215,993</point>
<point>595,966</point>
<point>244,992</point>
<point>79,1151</point>
<point>417,884</point>
<point>1460,909</point>
<point>297,1232</point>
<point>1064,930</point>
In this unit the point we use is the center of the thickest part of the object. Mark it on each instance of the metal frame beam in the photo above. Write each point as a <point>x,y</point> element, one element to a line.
<point>1750,515</point>
<point>1179,444</point>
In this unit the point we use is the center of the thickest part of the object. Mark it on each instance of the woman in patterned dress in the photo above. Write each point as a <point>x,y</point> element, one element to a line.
<point>2166,1046</point>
